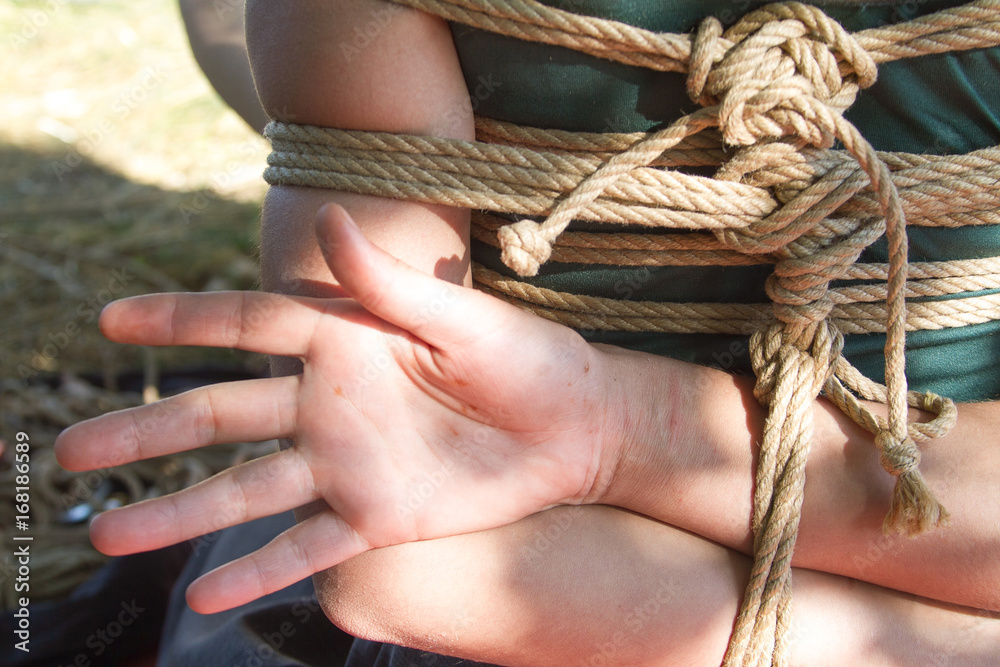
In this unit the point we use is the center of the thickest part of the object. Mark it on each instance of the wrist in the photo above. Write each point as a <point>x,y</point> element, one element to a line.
<point>680,442</point>
<point>637,424</point>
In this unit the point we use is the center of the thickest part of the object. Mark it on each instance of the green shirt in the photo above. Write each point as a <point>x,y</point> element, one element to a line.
<point>942,104</point>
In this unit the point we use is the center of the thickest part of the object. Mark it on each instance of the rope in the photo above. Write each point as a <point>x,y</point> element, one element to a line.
<point>852,312</point>
<point>971,26</point>
<point>775,86</point>
<point>530,179</point>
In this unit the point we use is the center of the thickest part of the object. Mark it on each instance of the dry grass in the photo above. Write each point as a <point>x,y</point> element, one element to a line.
<point>115,81</point>
<point>121,173</point>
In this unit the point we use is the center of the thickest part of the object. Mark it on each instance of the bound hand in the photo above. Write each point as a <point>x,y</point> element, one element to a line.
<point>423,410</point>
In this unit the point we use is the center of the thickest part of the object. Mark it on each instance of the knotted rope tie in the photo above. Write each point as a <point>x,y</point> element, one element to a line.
<point>787,74</point>
<point>791,371</point>
<point>526,245</point>
<point>788,77</point>
<point>776,85</point>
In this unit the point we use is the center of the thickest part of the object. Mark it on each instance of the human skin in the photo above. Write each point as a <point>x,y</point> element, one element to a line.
<point>292,262</point>
<point>215,32</point>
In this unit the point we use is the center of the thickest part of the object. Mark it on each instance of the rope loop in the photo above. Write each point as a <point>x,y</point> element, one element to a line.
<point>704,45</point>
<point>791,70</point>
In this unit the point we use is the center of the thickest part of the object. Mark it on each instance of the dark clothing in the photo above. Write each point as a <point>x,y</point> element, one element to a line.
<point>941,104</point>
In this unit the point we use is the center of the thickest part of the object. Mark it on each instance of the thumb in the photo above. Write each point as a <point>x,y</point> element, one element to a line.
<point>436,311</point>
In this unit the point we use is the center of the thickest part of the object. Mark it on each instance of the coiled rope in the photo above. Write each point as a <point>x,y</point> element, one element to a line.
<point>776,85</point>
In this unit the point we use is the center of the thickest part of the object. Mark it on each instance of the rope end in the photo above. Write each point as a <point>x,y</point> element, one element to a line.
<point>914,508</point>
<point>524,247</point>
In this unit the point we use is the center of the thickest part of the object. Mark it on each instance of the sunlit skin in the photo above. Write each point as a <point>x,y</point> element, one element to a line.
<point>417,397</point>
<point>439,386</point>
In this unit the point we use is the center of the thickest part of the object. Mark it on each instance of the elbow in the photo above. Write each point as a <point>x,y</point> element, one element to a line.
<point>353,603</point>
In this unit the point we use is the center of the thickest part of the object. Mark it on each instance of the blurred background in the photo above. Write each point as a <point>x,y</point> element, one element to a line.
<point>121,172</point>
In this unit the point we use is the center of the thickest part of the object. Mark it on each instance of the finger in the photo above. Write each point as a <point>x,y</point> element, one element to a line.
<point>252,321</point>
<point>245,411</point>
<point>436,311</point>
<point>269,485</point>
<point>318,543</point>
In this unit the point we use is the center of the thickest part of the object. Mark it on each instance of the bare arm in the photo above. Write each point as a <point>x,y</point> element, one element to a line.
<point>698,445</point>
<point>309,70</point>
<point>596,585</point>
<point>353,589</point>
<point>215,31</point>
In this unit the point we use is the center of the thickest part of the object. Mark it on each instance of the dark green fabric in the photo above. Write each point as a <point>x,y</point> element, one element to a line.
<point>941,104</point>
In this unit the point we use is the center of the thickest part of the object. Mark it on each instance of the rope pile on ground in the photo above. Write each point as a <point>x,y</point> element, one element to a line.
<point>775,85</point>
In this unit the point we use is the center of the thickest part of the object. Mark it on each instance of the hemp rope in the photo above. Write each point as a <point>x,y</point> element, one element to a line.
<point>775,85</point>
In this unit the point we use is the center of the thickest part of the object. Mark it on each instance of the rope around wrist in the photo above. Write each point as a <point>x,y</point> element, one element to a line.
<point>775,85</point>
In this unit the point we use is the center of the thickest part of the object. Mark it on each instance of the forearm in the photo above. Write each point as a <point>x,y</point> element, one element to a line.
<point>216,35</point>
<point>405,80</point>
<point>693,435</point>
<point>595,585</point>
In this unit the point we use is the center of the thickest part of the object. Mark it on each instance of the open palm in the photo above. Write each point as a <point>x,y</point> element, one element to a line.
<point>423,410</point>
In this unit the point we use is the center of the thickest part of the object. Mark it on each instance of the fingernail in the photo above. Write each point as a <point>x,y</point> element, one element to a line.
<point>327,244</point>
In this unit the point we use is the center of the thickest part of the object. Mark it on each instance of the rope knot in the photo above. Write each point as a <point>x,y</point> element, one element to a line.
<point>897,456</point>
<point>784,70</point>
<point>525,247</point>
<point>914,509</point>
<point>812,351</point>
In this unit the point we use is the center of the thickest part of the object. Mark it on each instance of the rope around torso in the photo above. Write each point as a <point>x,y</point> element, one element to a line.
<point>775,85</point>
